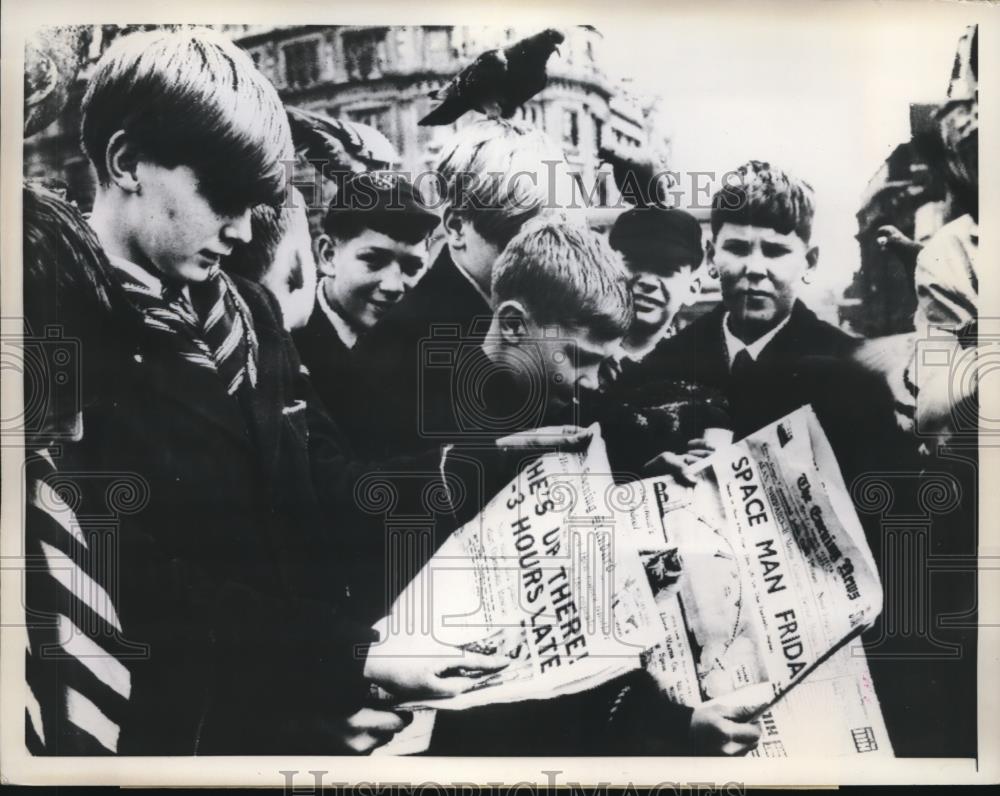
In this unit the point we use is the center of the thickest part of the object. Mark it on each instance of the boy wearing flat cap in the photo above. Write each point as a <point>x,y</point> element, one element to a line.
<point>662,248</point>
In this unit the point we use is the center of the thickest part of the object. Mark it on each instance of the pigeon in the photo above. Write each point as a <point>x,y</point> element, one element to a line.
<point>498,82</point>
<point>349,146</point>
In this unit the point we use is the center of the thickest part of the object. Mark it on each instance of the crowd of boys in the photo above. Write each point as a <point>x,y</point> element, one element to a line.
<point>254,376</point>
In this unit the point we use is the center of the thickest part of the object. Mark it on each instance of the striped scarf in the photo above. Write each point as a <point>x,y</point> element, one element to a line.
<point>77,661</point>
<point>207,322</point>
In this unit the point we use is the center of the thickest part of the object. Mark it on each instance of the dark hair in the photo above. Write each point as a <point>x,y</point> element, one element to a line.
<point>71,305</point>
<point>347,225</point>
<point>385,202</point>
<point>195,99</point>
<point>66,272</point>
<point>765,197</point>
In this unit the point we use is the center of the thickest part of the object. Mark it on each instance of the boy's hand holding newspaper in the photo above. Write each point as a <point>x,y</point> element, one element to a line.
<point>410,667</point>
<point>728,724</point>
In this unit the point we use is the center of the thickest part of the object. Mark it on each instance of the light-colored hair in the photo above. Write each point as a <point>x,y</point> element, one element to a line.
<point>565,275</point>
<point>498,174</point>
<point>765,196</point>
<point>191,98</point>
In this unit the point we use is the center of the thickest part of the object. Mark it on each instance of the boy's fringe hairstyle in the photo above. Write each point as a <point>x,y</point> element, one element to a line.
<point>497,173</point>
<point>765,197</point>
<point>566,275</point>
<point>191,98</point>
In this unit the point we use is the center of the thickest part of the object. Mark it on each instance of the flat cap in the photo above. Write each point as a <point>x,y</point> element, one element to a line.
<point>657,239</point>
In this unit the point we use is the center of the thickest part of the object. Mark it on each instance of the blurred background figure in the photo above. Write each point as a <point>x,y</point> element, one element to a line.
<point>52,59</point>
<point>937,252</point>
<point>77,661</point>
<point>946,279</point>
<point>327,150</point>
<point>279,256</point>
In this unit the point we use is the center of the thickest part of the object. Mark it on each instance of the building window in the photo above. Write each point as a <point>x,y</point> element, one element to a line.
<point>373,117</point>
<point>364,53</point>
<point>571,129</point>
<point>301,62</point>
<point>437,48</point>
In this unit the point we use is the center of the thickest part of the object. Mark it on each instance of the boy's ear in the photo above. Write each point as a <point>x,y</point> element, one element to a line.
<point>812,257</point>
<point>121,161</point>
<point>323,248</point>
<point>513,322</point>
<point>454,229</point>
<point>709,252</point>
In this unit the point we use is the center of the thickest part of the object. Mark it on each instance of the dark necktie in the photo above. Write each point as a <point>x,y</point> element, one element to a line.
<point>743,365</point>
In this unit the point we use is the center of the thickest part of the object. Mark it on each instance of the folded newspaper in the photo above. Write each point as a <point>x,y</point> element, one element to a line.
<point>762,573</point>
<point>537,577</point>
<point>759,573</point>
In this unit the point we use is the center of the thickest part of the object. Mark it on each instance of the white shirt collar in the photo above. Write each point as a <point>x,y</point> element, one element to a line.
<point>143,276</point>
<point>734,345</point>
<point>346,334</point>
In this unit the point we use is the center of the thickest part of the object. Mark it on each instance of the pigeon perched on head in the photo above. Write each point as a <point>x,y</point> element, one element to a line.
<point>348,146</point>
<point>498,82</point>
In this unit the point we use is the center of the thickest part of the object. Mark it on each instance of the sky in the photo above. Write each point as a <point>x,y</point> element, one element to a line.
<point>823,98</point>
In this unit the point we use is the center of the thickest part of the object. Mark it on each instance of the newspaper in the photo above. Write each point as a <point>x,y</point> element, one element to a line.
<point>537,577</point>
<point>762,573</point>
<point>840,691</point>
<point>757,574</point>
